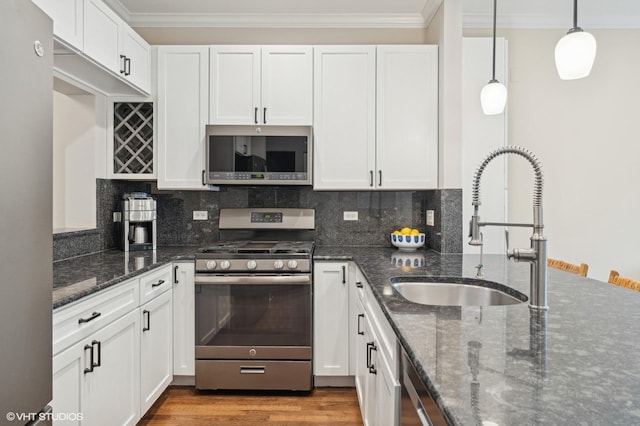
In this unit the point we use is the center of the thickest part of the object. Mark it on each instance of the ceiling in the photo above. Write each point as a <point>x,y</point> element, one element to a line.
<point>373,13</point>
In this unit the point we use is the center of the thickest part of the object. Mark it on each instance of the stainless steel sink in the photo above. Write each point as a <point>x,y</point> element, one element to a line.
<point>463,292</point>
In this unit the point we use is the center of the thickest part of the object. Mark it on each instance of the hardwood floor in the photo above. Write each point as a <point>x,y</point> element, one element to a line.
<point>183,405</point>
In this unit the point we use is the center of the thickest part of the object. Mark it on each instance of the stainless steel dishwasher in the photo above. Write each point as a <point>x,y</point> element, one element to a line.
<point>417,407</point>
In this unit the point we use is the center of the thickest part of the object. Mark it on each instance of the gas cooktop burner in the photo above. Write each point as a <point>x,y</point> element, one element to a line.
<point>269,247</point>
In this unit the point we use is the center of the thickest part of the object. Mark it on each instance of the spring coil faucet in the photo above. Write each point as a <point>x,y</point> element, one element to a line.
<point>536,255</point>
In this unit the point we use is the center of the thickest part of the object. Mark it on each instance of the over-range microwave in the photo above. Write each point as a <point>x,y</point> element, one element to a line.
<point>258,155</point>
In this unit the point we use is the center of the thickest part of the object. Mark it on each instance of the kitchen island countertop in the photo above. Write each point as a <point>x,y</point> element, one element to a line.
<point>575,364</point>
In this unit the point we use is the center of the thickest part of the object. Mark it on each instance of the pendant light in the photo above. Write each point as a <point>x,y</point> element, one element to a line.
<point>576,51</point>
<point>493,96</point>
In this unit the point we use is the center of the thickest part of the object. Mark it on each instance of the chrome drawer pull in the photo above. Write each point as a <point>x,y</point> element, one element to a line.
<point>252,370</point>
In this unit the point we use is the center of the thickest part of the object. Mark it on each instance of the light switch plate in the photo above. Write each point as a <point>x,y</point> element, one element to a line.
<point>430,219</point>
<point>117,216</point>
<point>200,215</point>
<point>350,215</point>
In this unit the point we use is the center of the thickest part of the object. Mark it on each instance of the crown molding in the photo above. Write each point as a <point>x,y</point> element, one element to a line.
<point>234,20</point>
<point>429,10</point>
<point>538,21</point>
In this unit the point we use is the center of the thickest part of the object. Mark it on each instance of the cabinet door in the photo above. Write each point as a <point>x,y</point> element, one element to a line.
<point>102,29</point>
<point>344,117</point>
<point>287,85</point>
<point>68,385</point>
<point>67,18</point>
<point>407,117</point>
<point>156,349</point>
<point>369,379</point>
<point>183,88</point>
<point>387,394</point>
<point>184,319</point>
<point>331,319</point>
<point>113,388</point>
<point>138,56</point>
<point>235,85</point>
<point>360,354</point>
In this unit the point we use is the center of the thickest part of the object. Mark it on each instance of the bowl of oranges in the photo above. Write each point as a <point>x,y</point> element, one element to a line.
<point>407,239</point>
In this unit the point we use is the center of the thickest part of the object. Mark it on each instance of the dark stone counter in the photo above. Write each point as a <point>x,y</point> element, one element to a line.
<point>81,276</point>
<point>577,364</point>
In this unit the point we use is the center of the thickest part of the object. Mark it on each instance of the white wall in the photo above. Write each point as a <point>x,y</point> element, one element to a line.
<point>482,134</point>
<point>587,135</point>
<point>74,184</point>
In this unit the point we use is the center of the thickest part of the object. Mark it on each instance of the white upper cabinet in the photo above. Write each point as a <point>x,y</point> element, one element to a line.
<point>407,117</point>
<point>261,85</point>
<point>109,41</point>
<point>375,117</point>
<point>67,18</point>
<point>344,118</point>
<point>137,56</point>
<point>183,88</point>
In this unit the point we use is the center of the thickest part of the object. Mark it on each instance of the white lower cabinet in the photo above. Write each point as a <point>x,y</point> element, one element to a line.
<point>331,319</point>
<point>156,348</point>
<point>119,359</point>
<point>96,380</point>
<point>376,361</point>
<point>184,341</point>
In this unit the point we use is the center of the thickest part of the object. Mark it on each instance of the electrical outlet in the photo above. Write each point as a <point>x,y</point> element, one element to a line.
<point>117,216</point>
<point>350,215</point>
<point>430,219</point>
<point>200,215</point>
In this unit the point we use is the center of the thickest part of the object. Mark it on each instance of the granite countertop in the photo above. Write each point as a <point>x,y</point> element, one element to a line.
<point>81,276</point>
<point>575,364</point>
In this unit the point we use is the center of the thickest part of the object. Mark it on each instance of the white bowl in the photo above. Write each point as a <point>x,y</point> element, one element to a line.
<point>407,242</point>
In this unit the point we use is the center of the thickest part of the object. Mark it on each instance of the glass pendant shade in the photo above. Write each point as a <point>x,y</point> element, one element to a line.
<point>493,98</point>
<point>575,53</point>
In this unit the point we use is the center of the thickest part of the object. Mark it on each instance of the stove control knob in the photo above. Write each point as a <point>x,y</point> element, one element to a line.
<point>292,264</point>
<point>278,264</point>
<point>252,264</point>
<point>211,265</point>
<point>225,264</point>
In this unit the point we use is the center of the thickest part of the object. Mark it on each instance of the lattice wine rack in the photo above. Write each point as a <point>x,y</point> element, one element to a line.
<point>133,137</point>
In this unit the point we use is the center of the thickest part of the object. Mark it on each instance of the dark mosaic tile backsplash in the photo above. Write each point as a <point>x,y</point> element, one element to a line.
<point>379,214</point>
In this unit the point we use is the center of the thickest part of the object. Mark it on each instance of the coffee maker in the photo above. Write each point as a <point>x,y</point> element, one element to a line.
<point>137,230</point>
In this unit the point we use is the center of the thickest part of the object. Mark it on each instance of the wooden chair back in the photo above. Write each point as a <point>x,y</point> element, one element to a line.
<point>616,279</point>
<point>568,267</point>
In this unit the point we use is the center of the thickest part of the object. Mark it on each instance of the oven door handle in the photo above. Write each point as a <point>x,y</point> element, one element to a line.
<point>252,279</point>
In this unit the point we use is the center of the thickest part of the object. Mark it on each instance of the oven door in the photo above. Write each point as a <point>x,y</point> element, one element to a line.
<point>253,317</point>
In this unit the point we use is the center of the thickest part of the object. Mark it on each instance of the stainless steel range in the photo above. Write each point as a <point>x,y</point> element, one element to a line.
<point>253,302</point>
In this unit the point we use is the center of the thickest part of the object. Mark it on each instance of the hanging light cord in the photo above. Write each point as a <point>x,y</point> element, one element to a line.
<point>493,72</point>
<point>575,18</point>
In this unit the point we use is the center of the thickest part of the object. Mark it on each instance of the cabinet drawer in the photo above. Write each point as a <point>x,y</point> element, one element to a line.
<point>155,283</point>
<point>76,321</point>
<point>386,335</point>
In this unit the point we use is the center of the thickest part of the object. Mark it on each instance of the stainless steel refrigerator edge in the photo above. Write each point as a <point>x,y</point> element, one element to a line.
<point>26,128</point>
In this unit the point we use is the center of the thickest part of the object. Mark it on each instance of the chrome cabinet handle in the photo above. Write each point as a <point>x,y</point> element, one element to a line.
<point>127,66</point>
<point>146,314</point>
<point>123,64</point>
<point>203,183</point>
<point>159,283</point>
<point>255,115</point>
<point>370,177</point>
<point>91,318</point>
<point>344,275</point>
<point>264,115</point>
<point>359,284</point>
<point>175,275</point>
<point>360,332</point>
<point>93,343</point>
<point>379,177</point>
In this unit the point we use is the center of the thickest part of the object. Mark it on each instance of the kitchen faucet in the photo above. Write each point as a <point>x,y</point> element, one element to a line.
<point>536,255</point>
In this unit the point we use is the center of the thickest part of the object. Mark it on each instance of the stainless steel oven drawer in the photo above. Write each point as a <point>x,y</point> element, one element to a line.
<point>263,375</point>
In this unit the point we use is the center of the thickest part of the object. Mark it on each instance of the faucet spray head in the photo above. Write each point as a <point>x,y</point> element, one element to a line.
<point>474,230</point>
